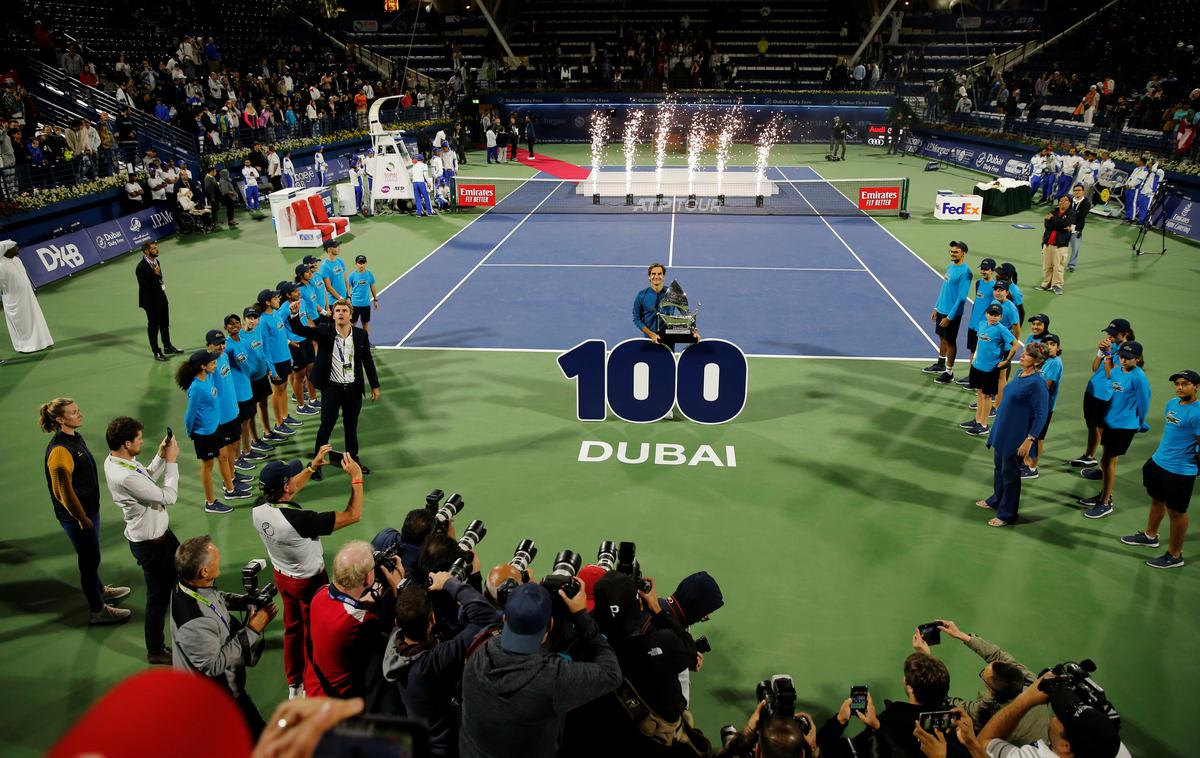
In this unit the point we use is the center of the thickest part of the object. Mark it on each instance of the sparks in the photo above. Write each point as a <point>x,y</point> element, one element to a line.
<point>599,131</point>
<point>633,125</point>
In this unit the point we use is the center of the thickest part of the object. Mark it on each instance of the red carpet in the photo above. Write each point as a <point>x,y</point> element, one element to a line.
<point>553,166</point>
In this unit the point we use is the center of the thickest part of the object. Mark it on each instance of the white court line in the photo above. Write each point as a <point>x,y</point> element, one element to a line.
<point>689,268</point>
<point>451,237</point>
<point>671,248</point>
<point>477,265</point>
<point>860,262</point>
<point>557,352</point>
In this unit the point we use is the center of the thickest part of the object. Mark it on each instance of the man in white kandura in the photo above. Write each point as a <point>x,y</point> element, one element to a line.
<point>26,325</point>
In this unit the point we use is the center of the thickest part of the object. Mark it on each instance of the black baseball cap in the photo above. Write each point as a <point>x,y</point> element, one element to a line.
<point>616,604</point>
<point>987,264</point>
<point>994,310</point>
<point>250,312</point>
<point>1000,286</point>
<point>1089,730</point>
<point>1051,337</point>
<point>1040,317</point>
<point>310,260</point>
<point>214,337</point>
<point>302,269</point>
<point>266,295</point>
<point>285,287</point>
<point>232,317</point>
<point>275,473</point>
<point>1116,326</point>
<point>961,245</point>
<point>201,357</point>
<point>1130,349</point>
<point>1007,269</point>
<point>360,259</point>
<point>1188,374</point>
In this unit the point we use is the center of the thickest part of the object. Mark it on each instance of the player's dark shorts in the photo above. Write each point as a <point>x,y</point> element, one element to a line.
<point>1046,428</point>
<point>246,410</point>
<point>949,332</point>
<point>1116,441</point>
<point>230,431</point>
<point>988,381</point>
<point>302,355</point>
<point>1094,410</point>
<point>261,387</point>
<point>972,339</point>
<point>207,445</point>
<point>362,312</point>
<point>283,369</point>
<point>1173,489</point>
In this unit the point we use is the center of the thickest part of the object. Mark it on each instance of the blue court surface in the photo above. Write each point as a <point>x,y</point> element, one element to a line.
<point>785,286</point>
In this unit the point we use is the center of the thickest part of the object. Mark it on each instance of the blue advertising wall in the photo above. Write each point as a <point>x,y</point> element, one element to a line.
<point>53,259</point>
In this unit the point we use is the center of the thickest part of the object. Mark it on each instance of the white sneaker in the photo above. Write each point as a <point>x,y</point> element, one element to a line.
<point>295,691</point>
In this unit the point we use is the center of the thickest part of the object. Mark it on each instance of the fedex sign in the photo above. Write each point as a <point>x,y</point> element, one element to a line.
<point>958,207</point>
<point>477,195</point>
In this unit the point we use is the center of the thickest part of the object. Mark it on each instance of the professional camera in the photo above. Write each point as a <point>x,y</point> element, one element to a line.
<point>523,556</point>
<point>562,576</point>
<point>779,695</point>
<point>702,646</point>
<point>728,733</point>
<point>474,534</point>
<point>461,569</point>
<point>1076,679</point>
<point>446,513</point>
<point>255,596</point>
<point>433,500</point>
<point>606,555</point>
<point>627,563</point>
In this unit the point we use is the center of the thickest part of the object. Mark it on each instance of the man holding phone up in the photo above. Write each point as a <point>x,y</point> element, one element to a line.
<point>292,537</point>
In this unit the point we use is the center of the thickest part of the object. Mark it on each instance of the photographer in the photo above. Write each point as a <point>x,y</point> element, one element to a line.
<point>1075,730</point>
<point>439,551</point>
<point>208,639</point>
<point>515,697</point>
<point>1004,678</point>
<point>772,738</point>
<point>427,668</point>
<point>346,634</point>
<point>417,526</point>
<point>292,537</point>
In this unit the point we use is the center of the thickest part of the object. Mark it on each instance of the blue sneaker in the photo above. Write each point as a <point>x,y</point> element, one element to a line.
<point>237,493</point>
<point>239,477</point>
<point>241,464</point>
<point>306,410</point>
<point>992,412</point>
<point>967,424</point>
<point>1165,561</point>
<point>291,420</point>
<point>274,436</point>
<point>979,430</point>
<point>253,457</point>
<point>217,506</point>
<point>260,446</point>
<point>1092,474</point>
<point>1029,473</point>
<point>283,429</point>
<point>1141,539</point>
<point>1089,501</point>
<point>1099,511</point>
<point>974,405</point>
<point>315,404</point>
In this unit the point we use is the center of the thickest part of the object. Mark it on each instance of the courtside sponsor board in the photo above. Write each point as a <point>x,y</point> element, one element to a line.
<point>958,208</point>
<point>477,195</point>
<point>879,198</point>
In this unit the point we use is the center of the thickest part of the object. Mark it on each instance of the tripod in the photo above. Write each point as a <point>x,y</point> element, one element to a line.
<point>1156,206</point>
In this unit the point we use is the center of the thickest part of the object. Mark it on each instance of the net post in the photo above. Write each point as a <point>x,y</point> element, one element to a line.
<point>904,193</point>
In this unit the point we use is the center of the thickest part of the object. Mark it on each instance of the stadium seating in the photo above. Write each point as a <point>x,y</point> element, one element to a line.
<point>304,220</point>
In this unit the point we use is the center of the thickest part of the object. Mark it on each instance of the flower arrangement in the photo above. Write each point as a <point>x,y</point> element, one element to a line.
<point>237,155</point>
<point>41,197</point>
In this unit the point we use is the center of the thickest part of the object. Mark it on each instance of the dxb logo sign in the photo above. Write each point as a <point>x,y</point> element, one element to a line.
<point>53,256</point>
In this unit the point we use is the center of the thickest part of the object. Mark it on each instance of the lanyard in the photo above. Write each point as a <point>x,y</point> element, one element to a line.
<point>137,469</point>
<point>204,601</point>
<point>341,343</point>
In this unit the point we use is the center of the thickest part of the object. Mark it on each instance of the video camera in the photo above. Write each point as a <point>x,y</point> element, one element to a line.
<point>257,597</point>
<point>627,563</point>
<point>1076,679</point>
<point>778,695</point>
<point>562,576</point>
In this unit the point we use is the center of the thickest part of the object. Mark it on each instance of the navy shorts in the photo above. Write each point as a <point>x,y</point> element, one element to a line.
<point>949,332</point>
<point>1116,441</point>
<point>972,339</point>
<point>1046,427</point>
<point>1094,410</point>
<point>208,446</point>
<point>1175,490</point>
<point>261,387</point>
<point>283,369</point>
<point>988,381</point>
<point>302,355</point>
<point>230,431</point>
<point>246,410</point>
<point>361,313</point>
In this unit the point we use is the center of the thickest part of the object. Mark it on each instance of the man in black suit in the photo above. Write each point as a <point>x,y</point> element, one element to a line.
<point>152,298</point>
<point>1081,205</point>
<point>343,355</point>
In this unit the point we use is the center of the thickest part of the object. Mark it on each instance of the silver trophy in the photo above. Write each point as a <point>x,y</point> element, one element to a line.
<point>678,320</point>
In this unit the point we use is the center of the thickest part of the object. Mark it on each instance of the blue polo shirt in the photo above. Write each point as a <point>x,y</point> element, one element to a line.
<point>1130,399</point>
<point>360,288</point>
<point>1014,294</point>
<point>645,309</point>
<point>275,337</point>
<point>203,415</point>
<point>1010,316</point>
<point>994,343</point>
<point>238,351</point>
<point>1052,371</point>
<point>1023,413</point>
<point>256,357</point>
<point>1098,386</point>
<point>983,298</point>
<point>335,272</point>
<point>314,296</point>
<point>226,394</point>
<point>953,294</point>
<point>1177,450</point>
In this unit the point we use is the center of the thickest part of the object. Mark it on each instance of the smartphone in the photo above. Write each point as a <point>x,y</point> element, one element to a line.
<point>375,736</point>
<point>335,457</point>
<point>170,433</point>
<point>931,632</point>
<point>943,720</point>
<point>858,698</point>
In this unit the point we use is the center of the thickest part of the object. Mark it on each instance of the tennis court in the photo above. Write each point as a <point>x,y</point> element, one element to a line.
<point>529,276</point>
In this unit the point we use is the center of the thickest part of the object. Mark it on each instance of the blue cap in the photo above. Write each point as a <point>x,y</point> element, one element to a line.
<point>1000,286</point>
<point>265,296</point>
<point>214,337</point>
<point>275,473</point>
<point>525,618</point>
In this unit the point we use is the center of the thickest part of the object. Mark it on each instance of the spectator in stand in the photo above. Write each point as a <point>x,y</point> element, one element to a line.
<point>1089,104</point>
<point>859,74</point>
<point>72,61</point>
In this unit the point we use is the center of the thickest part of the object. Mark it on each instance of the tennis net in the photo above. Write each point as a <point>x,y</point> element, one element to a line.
<point>674,191</point>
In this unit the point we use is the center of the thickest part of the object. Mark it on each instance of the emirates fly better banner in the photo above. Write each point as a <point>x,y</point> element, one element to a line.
<point>477,195</point>
<point>879,198</point>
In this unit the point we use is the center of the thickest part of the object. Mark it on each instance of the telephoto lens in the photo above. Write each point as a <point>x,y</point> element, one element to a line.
<point>473,535</point>
<point>562,576</point>
<point>728,732</point>
<point>567,563</point>
<point>606,555</point>
<point>447,512</point>
<point>524,554</point>
<point>460,569</point>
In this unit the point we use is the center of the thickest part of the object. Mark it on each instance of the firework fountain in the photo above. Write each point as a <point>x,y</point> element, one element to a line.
<point>697,137</point>
<point>762,152</point>
<point>731,123</point>
<point>599,131</point>
<point>633,125</point>
<point>662,131</point>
